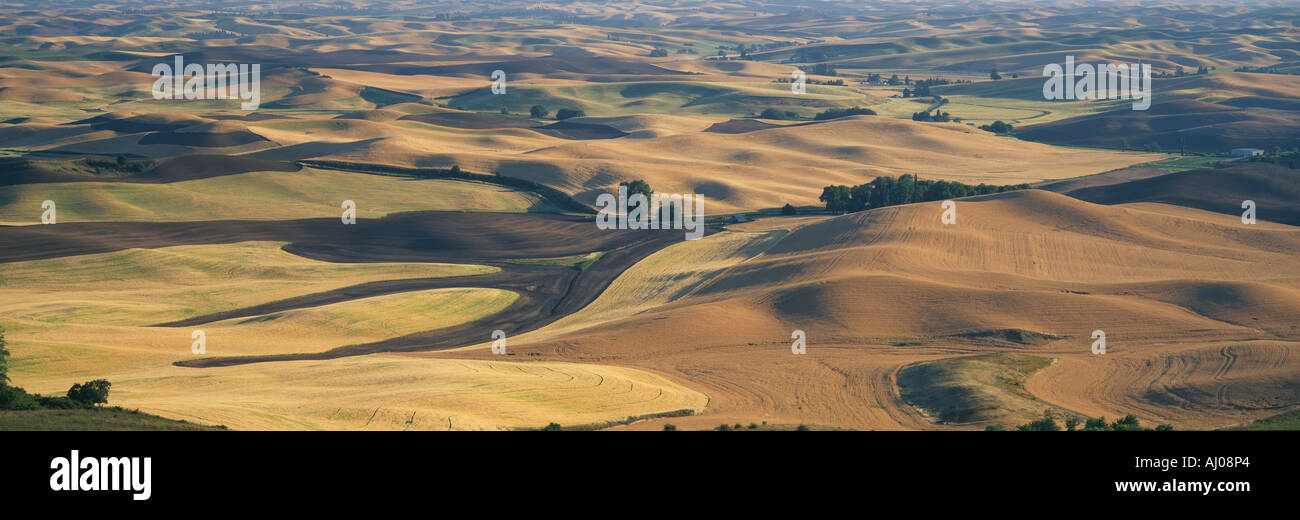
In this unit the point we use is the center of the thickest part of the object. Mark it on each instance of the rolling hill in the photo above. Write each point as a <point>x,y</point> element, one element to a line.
<point>879,290</point>
<point>1275,190</point>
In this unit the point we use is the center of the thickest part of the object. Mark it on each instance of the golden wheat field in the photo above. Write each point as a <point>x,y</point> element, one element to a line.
<point>396,223</point>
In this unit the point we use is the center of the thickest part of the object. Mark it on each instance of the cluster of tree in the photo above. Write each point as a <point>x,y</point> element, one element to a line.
<point>905,189</point>
<point>1048,424</point>
<point>893,80</point>
<point>219,34</point>
<point>936,116</point>
<point>830,113</point>
<point>738,427</point>
<point>832,82</point>
<point>834,113</point>
<point>81,395</point>
<point>540,112</point>
<point>997,127</point>
<point>936,81</point>
<point>659,52</point>
<point>745,50</point>
<point>921,91</point>
<point>772,113</point>
<point>1271,69</point>
<point>566,113</point>
<point>119,164</point>
<point>922,87</point>
<point>1276,155</point>
<point>1179,72</point>
<point>993,74</point>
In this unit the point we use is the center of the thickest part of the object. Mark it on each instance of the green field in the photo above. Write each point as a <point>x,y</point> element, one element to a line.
<point>94,419</point>
<point>579,262</point>
<point>1288,421</point>
<point>1181,163</point>
<point>974,389</point>
<point>1019,102</point>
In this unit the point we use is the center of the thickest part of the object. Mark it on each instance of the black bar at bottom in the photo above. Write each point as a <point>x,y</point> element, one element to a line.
<point>817,470</point>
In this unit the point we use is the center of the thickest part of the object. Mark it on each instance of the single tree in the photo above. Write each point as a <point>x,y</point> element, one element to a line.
<point>538,112</point>
<point>997,127</point>
<point>638,186</point>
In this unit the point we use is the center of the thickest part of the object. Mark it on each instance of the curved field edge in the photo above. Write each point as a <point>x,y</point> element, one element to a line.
<point>405,392</point>
<point>975,390</point>
<point>266,195</point>
<point>1193,386</point>
<point>140,286</point>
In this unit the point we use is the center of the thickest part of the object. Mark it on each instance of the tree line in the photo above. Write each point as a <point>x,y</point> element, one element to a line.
<point>905,189</point>
<point>1072,423</point>
<point>830,113</point>
<point>540,112</point>
<point>81,395</point>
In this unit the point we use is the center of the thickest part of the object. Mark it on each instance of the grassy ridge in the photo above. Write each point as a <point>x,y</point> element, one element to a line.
<point>973,388</point>
<point>1287,421</point>
<point>113,418</point>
